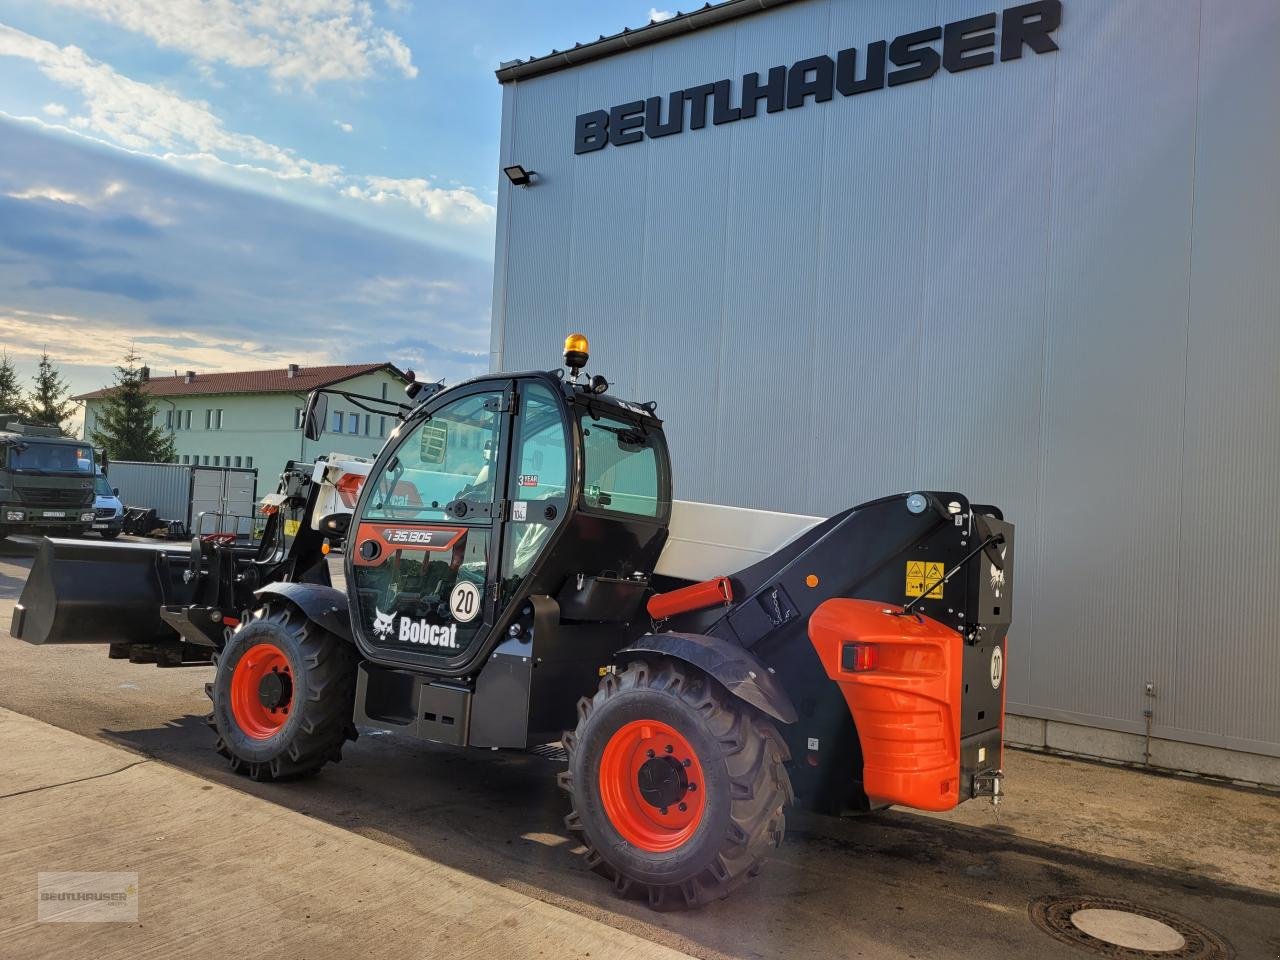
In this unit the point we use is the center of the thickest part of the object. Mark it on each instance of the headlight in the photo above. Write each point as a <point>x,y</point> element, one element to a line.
<point>86,517</point>
<point>13,515</point>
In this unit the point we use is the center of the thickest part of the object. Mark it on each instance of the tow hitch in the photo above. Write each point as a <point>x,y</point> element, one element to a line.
<point>989,784</point>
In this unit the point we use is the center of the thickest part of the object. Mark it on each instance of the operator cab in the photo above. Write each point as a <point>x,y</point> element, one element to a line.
<point>503,500</point>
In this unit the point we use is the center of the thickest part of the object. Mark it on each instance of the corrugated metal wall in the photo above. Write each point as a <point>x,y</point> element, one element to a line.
<point>182,492</point>
<point>164,487</point>
<point>1052,283</point>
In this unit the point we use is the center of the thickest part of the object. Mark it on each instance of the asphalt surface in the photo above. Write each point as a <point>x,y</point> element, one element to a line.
<point>892,885</point>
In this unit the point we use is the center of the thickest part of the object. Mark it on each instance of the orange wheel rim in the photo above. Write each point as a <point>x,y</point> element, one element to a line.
<point>651,786</point>
<point>261,691</point>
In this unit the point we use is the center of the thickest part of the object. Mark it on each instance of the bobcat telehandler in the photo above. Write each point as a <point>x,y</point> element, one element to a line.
<point>514,577</point>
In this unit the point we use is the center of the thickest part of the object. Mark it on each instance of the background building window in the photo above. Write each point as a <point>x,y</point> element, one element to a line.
<point>367,420</point>
<point>237,461</point>
<point>217,420</point>
<point>168,420</point>
<point>186,416</point>
<point>248,462</point>
<point>382,426</point>
<point>337,421</point>
<point>297,418</point>
<point>206,459</point>
<point>217,461</point>
<point>208,419</point>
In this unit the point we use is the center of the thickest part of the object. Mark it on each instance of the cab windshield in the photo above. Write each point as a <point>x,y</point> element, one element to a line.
<point>622,470</point>
<point>50,459</point>
<point>102,488</point>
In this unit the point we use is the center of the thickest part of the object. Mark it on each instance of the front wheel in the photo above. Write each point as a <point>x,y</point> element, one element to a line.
<point>678,788</point>
<point>283,695</point>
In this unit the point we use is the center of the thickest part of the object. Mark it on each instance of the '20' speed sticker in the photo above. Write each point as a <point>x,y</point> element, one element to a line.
<point>464,601</point>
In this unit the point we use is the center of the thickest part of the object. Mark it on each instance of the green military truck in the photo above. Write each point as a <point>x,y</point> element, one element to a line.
<point>46,481</point>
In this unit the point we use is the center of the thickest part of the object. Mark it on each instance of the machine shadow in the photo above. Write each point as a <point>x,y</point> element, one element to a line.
<point>498,815</point>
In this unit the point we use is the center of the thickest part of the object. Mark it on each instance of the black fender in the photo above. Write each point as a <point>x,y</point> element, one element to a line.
<point>735,668</point>
<point>323,605</point>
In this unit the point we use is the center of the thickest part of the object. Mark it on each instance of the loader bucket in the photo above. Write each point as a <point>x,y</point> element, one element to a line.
<point>83,591</point>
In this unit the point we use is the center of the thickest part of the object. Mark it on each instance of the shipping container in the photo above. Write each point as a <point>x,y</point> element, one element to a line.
<point>204,499</point>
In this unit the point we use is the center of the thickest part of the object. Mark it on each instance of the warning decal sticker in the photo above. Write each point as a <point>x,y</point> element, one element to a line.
<point>921,574</point>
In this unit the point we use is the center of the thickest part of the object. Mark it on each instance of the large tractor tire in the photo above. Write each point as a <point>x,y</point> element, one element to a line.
<point>678,789</point>
<point>283,695</point>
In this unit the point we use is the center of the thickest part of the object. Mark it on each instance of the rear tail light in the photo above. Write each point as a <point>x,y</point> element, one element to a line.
<point>859,657</point>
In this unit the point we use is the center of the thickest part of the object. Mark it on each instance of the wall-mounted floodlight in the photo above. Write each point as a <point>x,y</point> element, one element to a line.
<point>519,176</point>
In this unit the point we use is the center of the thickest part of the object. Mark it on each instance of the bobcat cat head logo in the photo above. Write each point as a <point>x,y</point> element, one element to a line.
<point>997,576</point>
<point>382,623</point>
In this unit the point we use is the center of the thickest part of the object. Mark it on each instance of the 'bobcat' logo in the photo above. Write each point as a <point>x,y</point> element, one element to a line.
<point>382,623</point>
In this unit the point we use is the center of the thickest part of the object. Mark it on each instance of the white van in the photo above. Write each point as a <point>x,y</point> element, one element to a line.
<point>108,511</point>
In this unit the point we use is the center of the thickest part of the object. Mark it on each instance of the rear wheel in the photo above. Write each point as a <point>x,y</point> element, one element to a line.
<point>678,788</point>
<point>283,696</point>
<point>109,534</point>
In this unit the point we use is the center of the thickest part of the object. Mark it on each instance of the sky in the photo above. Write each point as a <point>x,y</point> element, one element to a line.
<point>239,184</point>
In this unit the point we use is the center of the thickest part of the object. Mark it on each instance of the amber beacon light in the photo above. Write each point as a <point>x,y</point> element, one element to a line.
<point>576,352</point>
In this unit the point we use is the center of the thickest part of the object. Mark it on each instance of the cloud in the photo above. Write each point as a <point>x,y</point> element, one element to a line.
<point>302,42</point>
<point>240,280</point>
<point>62,195</point>
<point>78,340</point>
<point>146,118</point>
<point>449,205</point>
<point>657,16</point>
<point>132,286</point>
<point>344,127</point>
<point>52,194</point>
<point>55,109</point>
<point>49,245</point>
<point>159,123</point>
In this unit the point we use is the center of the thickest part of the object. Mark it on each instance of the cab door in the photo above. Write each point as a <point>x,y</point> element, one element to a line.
<point>422,568</point>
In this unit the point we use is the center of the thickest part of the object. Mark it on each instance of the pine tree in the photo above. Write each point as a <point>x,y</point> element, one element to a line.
<point>10,392</point>
<point>48,403</point>
<point>126,426</point>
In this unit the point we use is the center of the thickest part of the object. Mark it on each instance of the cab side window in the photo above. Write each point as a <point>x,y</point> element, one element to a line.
<point>542,454</point>
<point>447,458</point>
<point>540,481</point>
<point>620,468</point>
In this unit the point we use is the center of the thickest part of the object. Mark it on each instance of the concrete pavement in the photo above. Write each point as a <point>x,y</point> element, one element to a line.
<point>222,873</point>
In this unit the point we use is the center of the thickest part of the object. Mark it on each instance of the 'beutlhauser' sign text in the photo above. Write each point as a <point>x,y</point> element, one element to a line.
<point>965,44</point>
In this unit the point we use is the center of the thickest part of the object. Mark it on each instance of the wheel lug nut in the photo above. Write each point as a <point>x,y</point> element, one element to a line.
<point>663,811</point>
<point>692,787</point>
<point>683,807</point>
<point>649,754</point>
<point>670,748</point>
<point>688,762</point>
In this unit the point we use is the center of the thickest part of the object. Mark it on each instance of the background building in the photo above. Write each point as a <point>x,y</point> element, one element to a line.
<point>1042,273</point>
<point>254,418</point>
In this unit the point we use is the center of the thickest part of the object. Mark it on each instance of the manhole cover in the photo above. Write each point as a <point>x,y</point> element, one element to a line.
<point>1121,930</point>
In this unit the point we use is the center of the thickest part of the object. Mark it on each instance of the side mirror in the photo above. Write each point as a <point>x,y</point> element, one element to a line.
<point>115,491</point>
<point>313,418</point>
